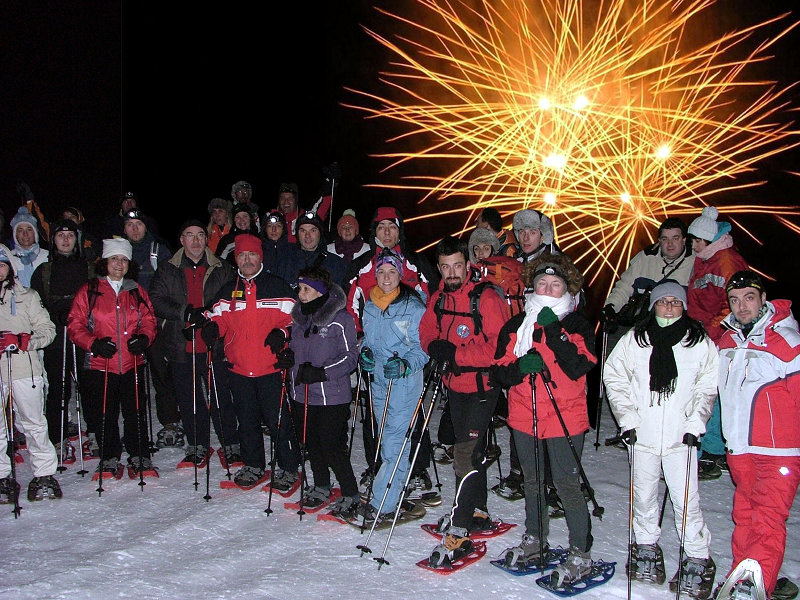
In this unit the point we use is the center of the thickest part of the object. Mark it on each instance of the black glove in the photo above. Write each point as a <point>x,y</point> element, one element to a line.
<point>444,351</point>
<point>690,439</point>
<point>308,373</point>
<point>275,340</point>
<point>285,359</point>
<point>62,315</point>
<point>194,316</point>
<point>628,436</point>
<point>104,347</point>
<point>138,343</point>
<point>505,376</point>
<point>210,333</point>
<point>608,318</point>
<point>24,191</point>
<point>332,175</point>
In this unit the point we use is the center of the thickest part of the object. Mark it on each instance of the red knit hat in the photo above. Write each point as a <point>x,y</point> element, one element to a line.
<point>247,242</point>
<point>387,213</point>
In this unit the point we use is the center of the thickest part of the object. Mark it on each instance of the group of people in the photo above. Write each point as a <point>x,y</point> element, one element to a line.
<point>258,321</point>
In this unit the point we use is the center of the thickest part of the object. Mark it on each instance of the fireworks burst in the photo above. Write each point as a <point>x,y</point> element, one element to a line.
<point>607,116</point>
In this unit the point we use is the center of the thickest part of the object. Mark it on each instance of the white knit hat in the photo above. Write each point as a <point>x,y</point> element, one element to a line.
<point>705,226</point>
<point>533,219</point>
<point>668,288</point>
<point>115,246</point>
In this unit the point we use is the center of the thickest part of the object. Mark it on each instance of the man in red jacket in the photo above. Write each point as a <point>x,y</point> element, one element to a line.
<point>451,335</point>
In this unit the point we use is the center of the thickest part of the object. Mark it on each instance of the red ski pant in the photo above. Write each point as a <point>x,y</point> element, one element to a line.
<point>765,490</point>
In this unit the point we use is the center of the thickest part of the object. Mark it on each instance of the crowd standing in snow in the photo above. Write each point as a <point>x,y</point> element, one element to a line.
<point>259,323</point>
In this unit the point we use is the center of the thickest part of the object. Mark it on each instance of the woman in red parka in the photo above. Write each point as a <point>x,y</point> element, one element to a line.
<point>112,319</point>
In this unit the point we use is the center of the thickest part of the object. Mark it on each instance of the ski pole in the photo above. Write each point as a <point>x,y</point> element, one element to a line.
<point>273,443</point>
<point>355,409</point>
<point>151,442</point>
<point>300,511</point>
<point>61,467</point>
<point>629,570</point>
<point>690,446</point>
<point>381,560</point>
<point>537,467</point>
<point>78,406</point>
<point>601,395</point>
<point>212,376</point>
<point>209,454</point>
<point>8,415</point>
<point>427,435</point>
<point>194,403</point>
<point>100,489</point>
<point>365,546</point>
<point>598,510</point>
<point>139,423</point>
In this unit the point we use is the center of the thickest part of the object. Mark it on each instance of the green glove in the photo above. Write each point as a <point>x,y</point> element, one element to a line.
<point>531,363</point>
<point>546,317</point>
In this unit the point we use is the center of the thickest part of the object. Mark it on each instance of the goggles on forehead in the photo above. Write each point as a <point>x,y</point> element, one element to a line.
<point>744,279</point>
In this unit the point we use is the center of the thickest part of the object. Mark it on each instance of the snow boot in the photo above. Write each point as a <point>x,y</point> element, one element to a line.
<point>420,489</point>
<point>647,563</point>
<point>91,450</point>
<point>196,455</point>
<point>316,496</point>
<point>9,491</point>
<point>784,590</point>
<point>455,544</point>
<point>526,554</point>
<point>697,577</point>
<point>171,435</point>
<point>346,507</point>
<point>43,487</point>
<point>708,467</point>
<point>72,431</point>
<point>140,463</point>
<point>511,487</point>
<point>108,465</point>
<point>577,566</point>
<point>284,480</point>
<point>233,454</point>
<point>69,452</point>
<point>481,521</point>
<point>366,477</point>
<point>443,454</point>
<point>248,476</point>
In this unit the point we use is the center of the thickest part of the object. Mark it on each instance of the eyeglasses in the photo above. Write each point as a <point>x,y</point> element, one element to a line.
<point>674,303</point>
<point>195,236</point>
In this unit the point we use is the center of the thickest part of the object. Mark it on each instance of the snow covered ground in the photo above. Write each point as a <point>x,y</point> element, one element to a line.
<point>166,541</point>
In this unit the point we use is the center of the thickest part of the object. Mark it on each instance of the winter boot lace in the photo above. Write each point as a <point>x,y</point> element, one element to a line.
<point>43,487</point>
<point>696,576</point>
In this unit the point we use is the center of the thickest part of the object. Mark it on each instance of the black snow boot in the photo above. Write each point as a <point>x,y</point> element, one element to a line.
<point>697,577</point>
<point>43,487</point>
<point>647,563</point>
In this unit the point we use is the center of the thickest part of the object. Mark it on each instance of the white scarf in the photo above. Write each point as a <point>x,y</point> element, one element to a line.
<point>534,303</point>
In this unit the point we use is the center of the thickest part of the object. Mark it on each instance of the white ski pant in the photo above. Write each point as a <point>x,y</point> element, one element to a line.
<point>29,418</point>
<point>646,506</point>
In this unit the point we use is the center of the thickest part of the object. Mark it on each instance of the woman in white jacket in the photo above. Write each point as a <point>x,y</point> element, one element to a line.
<point>661,382</point>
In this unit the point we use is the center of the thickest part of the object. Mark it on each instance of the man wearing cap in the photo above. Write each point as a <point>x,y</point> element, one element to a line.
<point>759,386</point>
<point>274,240</point>
<point>348,244</point>
<point>57,281</point>
<point>451,336</point>
<point>26,328</point>
<point>242,193</point>
<point>115,226</point>
<point>182,288</point>
<point>26,250</point>
<point>244,221</point>
<point>310,250</point>
<point>253,313</point>
<point>220,221</point>
<point>716,260</point>
<point>535,235</point>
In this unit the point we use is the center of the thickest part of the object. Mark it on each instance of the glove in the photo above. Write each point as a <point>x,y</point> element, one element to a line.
<point>138,343</point>
<point>275,340</point>
<point>9,341</point>
<point>61,316</point>
<point>285,359</point>
<point>546,317</point>
<point>210,333</point>
<point>23,340</point>
<point>395,368</point>
<point>628,436</point>
<point>24,190</point>
<point>308,373</point>
<point>505,376</point>
<point>194,317</point>
<point>690,439</point>
<point>104,347</point>
<point>444,351</point>
<point>367,360</point>
<point>531,363</point>
<point>608,314</point>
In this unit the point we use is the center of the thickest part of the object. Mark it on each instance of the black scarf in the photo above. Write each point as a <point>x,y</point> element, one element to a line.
<point>309,308</point>
<point>663,370</point>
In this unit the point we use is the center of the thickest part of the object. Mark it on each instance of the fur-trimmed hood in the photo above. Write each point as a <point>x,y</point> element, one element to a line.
<point>326,313</point>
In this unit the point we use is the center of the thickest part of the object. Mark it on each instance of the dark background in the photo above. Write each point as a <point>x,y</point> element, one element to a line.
<point>178,102</point>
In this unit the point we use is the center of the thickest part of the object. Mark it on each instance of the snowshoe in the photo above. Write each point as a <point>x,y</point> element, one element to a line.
<point>43,487</point>
<point>9,491</point>
<point>510,487</point>
<point>745,582</point>
<point>90,449</point>
<point>196,455</point>
<point>481,521</point>
<point>577,574</point>
<point>110,468</point>
<point>283,480</point>
<point>455,545</point>
<point>784,590</point>
<point>72,431</point>
<point>230,456</point>
<point>647,564</point>
<point>171,435</point>
<point>68,453</point>
<point>420,490</point>
<point>316,496</point>
<point>527,553</point>
<point>696,577</point>
<point>141,466</point>
<point>366,514</point>
<point>346,507</point>
<point>248,476</point>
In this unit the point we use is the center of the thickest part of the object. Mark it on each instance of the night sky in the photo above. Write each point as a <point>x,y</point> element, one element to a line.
<point>178,103</point>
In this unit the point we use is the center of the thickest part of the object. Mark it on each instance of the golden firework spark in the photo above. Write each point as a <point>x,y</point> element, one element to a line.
<point>607,116</point>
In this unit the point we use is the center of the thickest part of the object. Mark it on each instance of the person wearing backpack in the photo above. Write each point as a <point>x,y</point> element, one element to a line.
<point>464,342</point>
<point>57,281</point>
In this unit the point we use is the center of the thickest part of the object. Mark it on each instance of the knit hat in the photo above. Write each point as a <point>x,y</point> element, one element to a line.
<point>226,205</point>
<point>247,242</point>
<point>244,207</point>
<point>309,218</point>
<point>392,259</point>
<point>348,216</point>
<point>533,219</point>
<point>192,223</point>
<point>481,236</point>
<point>242,186</point>
<point>314,283</point>
<point>274,216</point>
<point>289,187</point>
<point>387,213</point>
<point>4,257</point>
<point>706,227</point>
<point>745,279</point>
<point>670,287</point>
<point>64,225</point>
<point>115,246</point>
<point>24,216</point>
<point>134,214</point>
